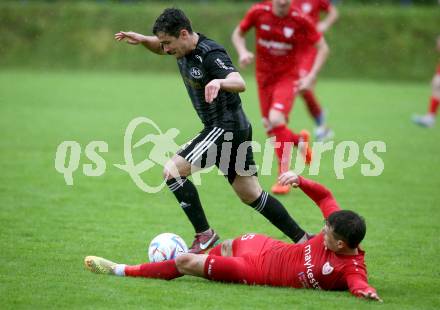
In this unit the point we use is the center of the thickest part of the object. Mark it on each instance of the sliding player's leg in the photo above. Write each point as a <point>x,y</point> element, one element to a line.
<point>215,268</point>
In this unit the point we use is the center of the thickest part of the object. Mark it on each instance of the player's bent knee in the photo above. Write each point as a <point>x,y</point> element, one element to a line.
<point>247,188</point>
<point>248,199</point>
<point>275,122</point>
<point>276,118</point>
<point>173,169</point>
<point>167,173</point>
<point>191,264</point>
<point>183,262</point>
<point>250,195</point>
<point>436,83</point>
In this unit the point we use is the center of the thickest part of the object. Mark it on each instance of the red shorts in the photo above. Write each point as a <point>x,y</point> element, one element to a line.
<point>251,244</point>
<point>438,69</point>
<point>244,265</point>
<point>276,93</point>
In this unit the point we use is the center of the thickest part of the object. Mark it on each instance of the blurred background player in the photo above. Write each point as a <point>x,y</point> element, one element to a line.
<point>428,120</point>
<point>332,260</point>
<point>281,33</point>
<point>313,9</point>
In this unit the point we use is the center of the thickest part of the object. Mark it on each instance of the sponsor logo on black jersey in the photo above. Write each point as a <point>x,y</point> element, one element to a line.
<point>222,65</point>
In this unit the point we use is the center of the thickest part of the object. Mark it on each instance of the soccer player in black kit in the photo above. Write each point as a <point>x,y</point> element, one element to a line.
<point>213,85</point>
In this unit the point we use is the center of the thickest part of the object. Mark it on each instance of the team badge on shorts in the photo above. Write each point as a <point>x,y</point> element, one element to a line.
<point>327,269</point>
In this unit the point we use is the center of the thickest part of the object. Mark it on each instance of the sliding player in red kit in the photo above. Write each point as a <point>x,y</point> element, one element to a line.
<point>313,9</point>
<point>331,260</point>
<point>281,34</point>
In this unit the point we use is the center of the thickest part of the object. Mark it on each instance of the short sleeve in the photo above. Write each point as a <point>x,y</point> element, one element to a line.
<point>324,5</point>
<point>308,34</point>
<point>249,20</point>
<point>218,64</point>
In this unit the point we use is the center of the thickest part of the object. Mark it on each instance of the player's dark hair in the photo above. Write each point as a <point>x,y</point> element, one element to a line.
<point>348,226</point>
<point>171,21</point>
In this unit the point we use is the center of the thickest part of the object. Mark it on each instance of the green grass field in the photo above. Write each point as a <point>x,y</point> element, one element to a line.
<point>48,227</point>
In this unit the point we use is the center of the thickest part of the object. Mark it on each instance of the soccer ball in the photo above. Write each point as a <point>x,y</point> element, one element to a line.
<point>166,246</point>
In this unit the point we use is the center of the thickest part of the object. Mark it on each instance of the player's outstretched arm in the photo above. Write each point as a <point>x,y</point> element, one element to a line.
<point>318,193</point>
<point>357,282</point>
<point>331,17</point>
<point>150,42</point>
<point>245,57</point>
<point>359,287</point>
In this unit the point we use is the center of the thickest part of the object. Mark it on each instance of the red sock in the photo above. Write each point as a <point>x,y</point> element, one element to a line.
<point>312,103</point>
<point>433,107</point>
<point>282,135</point>
<point>166,270</point>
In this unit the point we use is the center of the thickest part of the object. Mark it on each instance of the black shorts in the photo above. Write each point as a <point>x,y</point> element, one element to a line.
<point>230,151</point>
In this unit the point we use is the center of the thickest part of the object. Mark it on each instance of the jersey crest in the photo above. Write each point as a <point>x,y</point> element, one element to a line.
<point>327,268</point>
<point>288,32</point>
<point>196,73</point>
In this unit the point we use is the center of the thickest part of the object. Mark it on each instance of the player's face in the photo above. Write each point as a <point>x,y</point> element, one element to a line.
<point>281,7</point>
<point>171,45</point>
<point>330,242</point>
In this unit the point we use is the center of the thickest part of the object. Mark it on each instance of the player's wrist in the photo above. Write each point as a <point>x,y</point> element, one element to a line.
<point>221,82</point>
<point>243,52</point>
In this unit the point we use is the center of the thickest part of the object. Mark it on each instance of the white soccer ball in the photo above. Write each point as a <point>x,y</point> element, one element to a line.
<point>166,246</point>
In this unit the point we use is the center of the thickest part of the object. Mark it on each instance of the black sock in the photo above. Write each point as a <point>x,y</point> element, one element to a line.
<point>275,212</point>
<point>186,194</point>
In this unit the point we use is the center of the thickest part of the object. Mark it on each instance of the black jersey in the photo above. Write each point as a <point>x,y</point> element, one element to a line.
<point>206,62</point>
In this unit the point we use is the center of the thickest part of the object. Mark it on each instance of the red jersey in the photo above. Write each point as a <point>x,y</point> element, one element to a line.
<point>310,265</point>
<point>278,39</point>
<point>312,8</point>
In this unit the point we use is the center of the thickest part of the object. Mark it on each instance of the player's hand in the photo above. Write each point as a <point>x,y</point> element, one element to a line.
<point>131,37</point>
<point>321,27</point>
<point>306,82</point>
<point>211,90</point>
<point>245,59</point>
<point>266,124</point>
<point>369,295</point>
<point>289,178</point>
